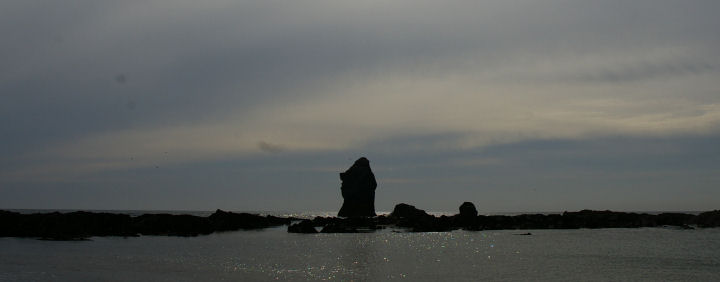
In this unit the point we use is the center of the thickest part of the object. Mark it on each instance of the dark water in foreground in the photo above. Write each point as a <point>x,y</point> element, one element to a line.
<point>649,254</point>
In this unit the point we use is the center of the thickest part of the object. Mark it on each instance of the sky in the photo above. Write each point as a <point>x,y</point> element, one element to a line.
<point>516,106</point>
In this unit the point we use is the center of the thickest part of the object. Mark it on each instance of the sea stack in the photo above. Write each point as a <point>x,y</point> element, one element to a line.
<point>358,190</point>
<point>468,210</point>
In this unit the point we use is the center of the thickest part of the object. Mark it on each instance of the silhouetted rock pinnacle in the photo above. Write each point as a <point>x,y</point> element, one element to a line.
<point>467,210</point>
<point>358,190</point>
<point>467,218</point>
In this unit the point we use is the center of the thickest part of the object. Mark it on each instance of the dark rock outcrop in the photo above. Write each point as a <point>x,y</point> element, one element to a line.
<point>709,219</point>
<point>64,226</point>
<point>467,210</point>
<point>305,226</point>
<point>405,211</point>
<point>351,225</point>
<point>228,221</point>
<point>358,190</point>
<point>81,225</point>
<point>339,227</point>
<point>467,218</point>
<point>675,219</point>
<point>171,225</point>
<point>606,219</point>
<point>418,220</point>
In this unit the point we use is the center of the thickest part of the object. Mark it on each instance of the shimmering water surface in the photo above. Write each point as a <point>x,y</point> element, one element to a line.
<point>649,254</point>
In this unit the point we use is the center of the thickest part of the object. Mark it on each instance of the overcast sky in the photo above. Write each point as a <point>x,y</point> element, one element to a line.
<point>258,105</point>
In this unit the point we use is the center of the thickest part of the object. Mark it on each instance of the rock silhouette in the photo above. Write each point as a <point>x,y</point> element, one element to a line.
<point>82,225</point>
<point>405,211</point>
<point>358,190</point>
<point>305,226</point>
<point>467,218</point>
<point>709,219</point>
<point>417,220</point>
<point>467,209</point>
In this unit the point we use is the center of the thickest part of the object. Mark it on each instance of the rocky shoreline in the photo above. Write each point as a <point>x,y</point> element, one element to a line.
<point>82,225</point>
<point>411,219</point>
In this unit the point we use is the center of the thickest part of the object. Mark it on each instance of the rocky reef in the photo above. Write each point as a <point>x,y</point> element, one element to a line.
<point>404,218</point>
<point>80,225</point>
<point>409,218</point>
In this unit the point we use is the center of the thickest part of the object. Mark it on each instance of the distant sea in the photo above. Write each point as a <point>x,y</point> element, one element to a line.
<point>302,214</point>
<point>642,254</point>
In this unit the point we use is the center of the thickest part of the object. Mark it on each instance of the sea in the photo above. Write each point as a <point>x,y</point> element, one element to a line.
<point>639,254</point>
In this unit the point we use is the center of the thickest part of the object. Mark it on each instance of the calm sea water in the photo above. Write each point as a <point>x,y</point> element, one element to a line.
<point>649,254</point>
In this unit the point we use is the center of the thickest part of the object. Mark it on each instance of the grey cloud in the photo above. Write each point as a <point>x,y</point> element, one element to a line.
<point>77,68</point>
<point>643,71</point>
<point>269,147</point>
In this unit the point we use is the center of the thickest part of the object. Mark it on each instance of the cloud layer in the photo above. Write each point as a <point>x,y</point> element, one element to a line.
<point>91,88</point>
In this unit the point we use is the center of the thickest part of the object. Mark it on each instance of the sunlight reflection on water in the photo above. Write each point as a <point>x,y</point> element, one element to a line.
<point>614,254</point>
